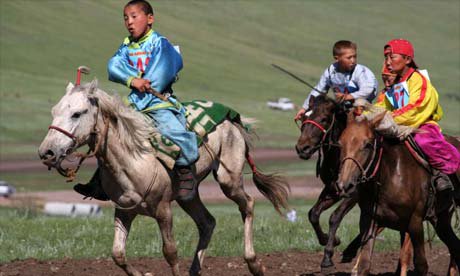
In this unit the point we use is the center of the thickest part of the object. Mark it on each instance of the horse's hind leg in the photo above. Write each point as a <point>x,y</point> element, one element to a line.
<point>324,202</point>
<point>445,232</point>
<point>123,222</point>
<point>345,206</point>
<point>205,223</point>
<point>163,215</point>
<point>232,186</point>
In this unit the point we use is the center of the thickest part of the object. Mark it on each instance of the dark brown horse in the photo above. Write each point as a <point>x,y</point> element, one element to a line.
<point>320,131</point>
<point>393,190</point>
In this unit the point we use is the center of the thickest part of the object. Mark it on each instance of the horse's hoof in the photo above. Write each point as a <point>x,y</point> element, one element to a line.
<point>347,259</point>
<point>328,270</point>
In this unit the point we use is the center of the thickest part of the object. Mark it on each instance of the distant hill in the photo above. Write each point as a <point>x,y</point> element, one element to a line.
<point>227,46</point>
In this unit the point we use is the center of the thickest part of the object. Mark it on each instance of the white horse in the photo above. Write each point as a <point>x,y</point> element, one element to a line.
<point>138,183</point>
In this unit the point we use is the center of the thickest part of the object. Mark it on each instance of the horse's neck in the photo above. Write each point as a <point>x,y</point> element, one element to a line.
<point>115,157</point>
<point>333,136</point>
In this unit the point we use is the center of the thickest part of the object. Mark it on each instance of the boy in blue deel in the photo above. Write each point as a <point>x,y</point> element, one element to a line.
<point>148,63</point>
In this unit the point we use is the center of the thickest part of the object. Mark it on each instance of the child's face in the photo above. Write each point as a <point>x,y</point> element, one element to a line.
<point>347,60</point>
<point>136,21</point>
<point>397,63</point>
<point>388,80</point>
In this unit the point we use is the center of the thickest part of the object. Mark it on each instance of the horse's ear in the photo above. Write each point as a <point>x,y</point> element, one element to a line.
<point>93,86</point>
<point>69,88</point>
<point>375,122</point>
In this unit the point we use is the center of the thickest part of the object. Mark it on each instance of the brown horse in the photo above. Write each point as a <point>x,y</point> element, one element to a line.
<point>320,131</point>
<point>393,190</point>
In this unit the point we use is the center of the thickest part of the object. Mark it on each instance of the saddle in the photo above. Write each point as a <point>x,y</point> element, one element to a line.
<point>421,158</point>
<point>202,118</point>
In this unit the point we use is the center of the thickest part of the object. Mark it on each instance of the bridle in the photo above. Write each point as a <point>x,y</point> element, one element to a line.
<point>92,151</point>
<point>320,127</point>
<point>373,163</point>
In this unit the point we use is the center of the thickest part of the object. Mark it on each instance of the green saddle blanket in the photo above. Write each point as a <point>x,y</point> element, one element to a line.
<point>202,118</point>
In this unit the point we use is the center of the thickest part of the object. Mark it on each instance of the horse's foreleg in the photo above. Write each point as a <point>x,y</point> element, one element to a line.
<point>453,268</point>
<point>345,206</point>
<point>405,254</point>
<point>123,222</point>
<point>324,202</point>
<point>164,219</point>
<point>416,235</point>
<point>205,223</point>
<point>369,229</point>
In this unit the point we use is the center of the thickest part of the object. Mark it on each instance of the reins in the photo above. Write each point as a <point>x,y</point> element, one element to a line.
<point>374,162</point>
<point>92,151</point>
<point>368,174</point>
<point>323,138</point>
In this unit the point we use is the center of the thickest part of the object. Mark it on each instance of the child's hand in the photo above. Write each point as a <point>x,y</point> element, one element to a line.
<point>343,97</point>
<point>141,85</point>
<point>300,113</point>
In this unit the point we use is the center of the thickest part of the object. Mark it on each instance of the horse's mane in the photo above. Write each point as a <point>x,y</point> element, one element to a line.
<point>387,127</point>
<point>323,98</point>
<point>134,129</point>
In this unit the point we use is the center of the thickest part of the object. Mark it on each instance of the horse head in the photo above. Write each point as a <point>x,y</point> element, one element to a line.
<point>74,120</point>
<point>358,150</point>
<point>316,124</point>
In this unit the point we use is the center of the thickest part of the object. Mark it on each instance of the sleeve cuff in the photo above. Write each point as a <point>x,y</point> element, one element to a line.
<point>128,82</point>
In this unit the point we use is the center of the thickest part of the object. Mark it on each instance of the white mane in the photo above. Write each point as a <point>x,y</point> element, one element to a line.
<point>133,128</point>
<point>387,127</point>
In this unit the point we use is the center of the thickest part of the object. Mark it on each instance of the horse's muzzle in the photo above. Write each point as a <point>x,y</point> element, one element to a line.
<point>345,190</point>
<point>304,152</point>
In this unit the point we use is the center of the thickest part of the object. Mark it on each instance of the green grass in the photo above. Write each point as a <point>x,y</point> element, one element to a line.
<point>228,47</point>
<point>58,237</point>
<point>45,180</point>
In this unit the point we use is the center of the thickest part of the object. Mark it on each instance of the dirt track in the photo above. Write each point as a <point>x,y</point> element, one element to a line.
<point>285,263</point>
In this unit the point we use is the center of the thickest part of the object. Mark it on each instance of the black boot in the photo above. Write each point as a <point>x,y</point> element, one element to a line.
<point>187,183</point>
<point>444,188</point>
<point>456,183</point>
<point>93,188</point>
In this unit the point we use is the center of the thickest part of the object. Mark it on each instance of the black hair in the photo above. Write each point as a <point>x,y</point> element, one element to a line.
<point>341,45</point>
<point>145,6</point>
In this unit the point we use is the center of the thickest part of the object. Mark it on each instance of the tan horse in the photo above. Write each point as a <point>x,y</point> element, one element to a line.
<point>138,183</point>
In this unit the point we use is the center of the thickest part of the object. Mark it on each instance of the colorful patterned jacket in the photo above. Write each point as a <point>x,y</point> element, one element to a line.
<point>413,101</point>
<point>153,58</point>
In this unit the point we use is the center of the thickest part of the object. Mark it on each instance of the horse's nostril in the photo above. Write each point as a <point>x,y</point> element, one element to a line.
<point>48,154</point>
<point>297,149</point>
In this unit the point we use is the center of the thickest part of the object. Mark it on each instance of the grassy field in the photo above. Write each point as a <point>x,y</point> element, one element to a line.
<point>227,46</point>
<point>58,237</point>
<point>45,180</point>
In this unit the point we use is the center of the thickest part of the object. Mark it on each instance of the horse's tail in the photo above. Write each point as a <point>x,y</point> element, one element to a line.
<point>273,186</point>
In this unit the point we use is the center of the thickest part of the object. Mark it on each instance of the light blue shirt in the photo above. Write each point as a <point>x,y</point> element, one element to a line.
<point>154,58</point>
<point>360,83</point>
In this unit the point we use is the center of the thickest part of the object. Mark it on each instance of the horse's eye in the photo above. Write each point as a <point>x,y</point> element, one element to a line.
<point>369,146</point>
<point>76,115</point>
